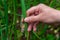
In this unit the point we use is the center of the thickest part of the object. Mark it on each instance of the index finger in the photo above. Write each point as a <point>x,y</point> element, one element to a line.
<point>31,11</point>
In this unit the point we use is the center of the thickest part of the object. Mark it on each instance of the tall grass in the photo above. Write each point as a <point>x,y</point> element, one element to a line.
<point>12,12</point>
<point>6,20</point>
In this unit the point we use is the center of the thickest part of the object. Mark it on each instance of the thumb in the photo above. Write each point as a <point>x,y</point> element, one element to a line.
<point>31,19</point>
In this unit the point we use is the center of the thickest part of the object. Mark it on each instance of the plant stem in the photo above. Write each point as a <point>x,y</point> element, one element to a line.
<point>14,19</point>
<point>6,19</point>
<point>24,15</point>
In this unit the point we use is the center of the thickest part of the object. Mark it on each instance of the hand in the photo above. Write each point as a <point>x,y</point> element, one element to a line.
<point>40,13</point>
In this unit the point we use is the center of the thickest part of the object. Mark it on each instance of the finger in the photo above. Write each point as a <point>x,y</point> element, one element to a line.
<point>34,26</point>
<point>40,17</point>
<point>29,27</point>
<point>31,19</point>
<point>31,10</point>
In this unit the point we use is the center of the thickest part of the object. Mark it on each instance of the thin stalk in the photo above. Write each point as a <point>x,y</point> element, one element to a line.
<point>36,35</point>
<point>24,15</point>
<point>11,28</point>
<point>1,30</point>
<point>45,28</point>
<point>23,8</point>
<point>53,3</point>
<point>28,4</point>
<point>0,20</point>
<point>14,19</point>
<point>6,19</point>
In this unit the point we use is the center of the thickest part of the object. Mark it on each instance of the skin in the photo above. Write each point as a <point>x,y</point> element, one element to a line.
<point>41,13</point>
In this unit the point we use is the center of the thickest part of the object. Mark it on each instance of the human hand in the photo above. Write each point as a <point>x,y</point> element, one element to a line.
<point>40,13</point>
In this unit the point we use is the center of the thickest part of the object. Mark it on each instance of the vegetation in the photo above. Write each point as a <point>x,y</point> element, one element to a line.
<point>12,12</point>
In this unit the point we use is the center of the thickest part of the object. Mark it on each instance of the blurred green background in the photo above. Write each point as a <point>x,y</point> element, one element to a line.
<point>12,28</point>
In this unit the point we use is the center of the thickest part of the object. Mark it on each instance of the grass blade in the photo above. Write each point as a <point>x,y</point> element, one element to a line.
<point>14,19</point>
<point>24,15</point>
<point>6,19</point>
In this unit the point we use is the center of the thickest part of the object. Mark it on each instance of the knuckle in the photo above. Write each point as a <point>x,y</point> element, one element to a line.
<point>41,4</point>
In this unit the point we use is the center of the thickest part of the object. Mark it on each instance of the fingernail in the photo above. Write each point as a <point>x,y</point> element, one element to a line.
<point>34,30</point>
<point>26,19</point>
<point>29,30</point>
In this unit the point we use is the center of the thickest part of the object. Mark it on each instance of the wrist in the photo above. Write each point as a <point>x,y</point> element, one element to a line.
<point>57,16</point>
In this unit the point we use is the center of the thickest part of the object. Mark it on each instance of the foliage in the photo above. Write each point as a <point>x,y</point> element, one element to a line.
<point>12,28</point>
